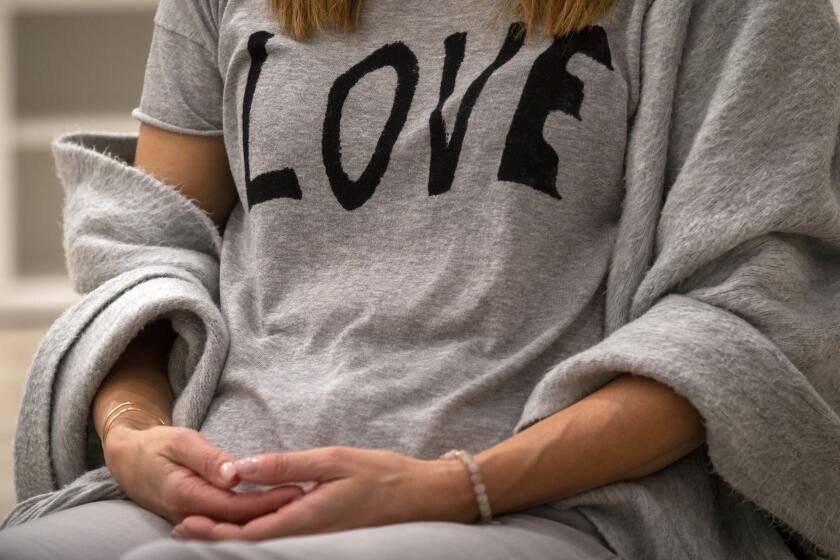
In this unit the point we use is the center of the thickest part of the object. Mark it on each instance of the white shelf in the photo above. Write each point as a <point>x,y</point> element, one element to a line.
<point>30,300</point>
<point>35,301</point>
<point>37,133</point>
<point>29,6</point>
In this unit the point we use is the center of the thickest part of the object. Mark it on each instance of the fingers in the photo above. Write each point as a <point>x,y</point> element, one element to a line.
<point>315,465</point>
<point>287,521</point>
<point>236,507</point>
<point>193,527</point>
<point>192,450</point>
<point>294,519</point>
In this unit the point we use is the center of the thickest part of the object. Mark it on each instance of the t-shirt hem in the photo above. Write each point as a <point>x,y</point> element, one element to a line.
<point>139,115</point>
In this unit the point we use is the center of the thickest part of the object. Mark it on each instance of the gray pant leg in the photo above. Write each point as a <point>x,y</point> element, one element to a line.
<point>103,530</point>
<point>513,536</point>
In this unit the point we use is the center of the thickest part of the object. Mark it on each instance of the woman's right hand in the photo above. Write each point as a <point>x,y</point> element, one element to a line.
<point>174,473</point>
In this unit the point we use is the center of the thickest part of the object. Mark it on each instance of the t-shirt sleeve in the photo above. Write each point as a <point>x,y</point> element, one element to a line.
<point>182,87</point>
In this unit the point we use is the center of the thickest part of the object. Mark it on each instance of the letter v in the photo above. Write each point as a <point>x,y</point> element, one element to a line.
<point>445,154</point>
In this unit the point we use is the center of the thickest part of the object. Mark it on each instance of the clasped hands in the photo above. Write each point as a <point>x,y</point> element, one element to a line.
<point>347,488</point>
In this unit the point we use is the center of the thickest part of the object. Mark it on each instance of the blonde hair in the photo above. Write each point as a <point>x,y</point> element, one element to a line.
<point>302,18</point>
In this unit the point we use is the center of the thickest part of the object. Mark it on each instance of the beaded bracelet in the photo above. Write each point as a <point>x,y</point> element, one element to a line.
<point>478,485</point>
<point>115,412</point>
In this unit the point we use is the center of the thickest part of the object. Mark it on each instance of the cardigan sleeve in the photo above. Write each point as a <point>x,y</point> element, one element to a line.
<point>118,218</point>
<point>137,250</point>
<point>119,223</point>
<point>731,223</point>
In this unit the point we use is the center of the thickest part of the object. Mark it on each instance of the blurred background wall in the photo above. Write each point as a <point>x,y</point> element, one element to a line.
<point>65,65</point>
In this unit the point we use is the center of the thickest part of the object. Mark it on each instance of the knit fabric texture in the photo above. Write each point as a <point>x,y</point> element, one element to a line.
<point>489,255</point>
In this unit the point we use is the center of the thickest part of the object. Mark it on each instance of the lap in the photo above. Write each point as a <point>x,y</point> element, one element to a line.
<point>520,536</point>
<point>94,531</point>
<point>120,529</point>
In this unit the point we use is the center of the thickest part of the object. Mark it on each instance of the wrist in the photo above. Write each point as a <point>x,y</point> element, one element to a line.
<point>127,422</point>
<point>458,492</point>
<point>135,420</point>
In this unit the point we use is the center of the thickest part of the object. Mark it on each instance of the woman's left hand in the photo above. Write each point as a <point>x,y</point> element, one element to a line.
<point>354,488</point>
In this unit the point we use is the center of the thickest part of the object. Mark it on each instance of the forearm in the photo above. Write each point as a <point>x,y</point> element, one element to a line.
<point>139,375</point>
<point>629,428</point>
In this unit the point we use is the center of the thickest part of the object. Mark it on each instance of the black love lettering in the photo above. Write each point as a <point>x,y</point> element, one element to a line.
<point>352,194</point>
<point>274,184</point>
<point>445,154</point>
<point>527,159</point>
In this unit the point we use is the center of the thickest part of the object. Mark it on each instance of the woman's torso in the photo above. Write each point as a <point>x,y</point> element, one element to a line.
<point>428,208</point>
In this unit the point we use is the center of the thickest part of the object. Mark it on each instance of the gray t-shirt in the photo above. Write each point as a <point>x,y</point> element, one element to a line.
<point>428,212</point>
<point>428,207</point>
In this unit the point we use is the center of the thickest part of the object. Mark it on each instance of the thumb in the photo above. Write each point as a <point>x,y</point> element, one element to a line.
<point>192,450</point>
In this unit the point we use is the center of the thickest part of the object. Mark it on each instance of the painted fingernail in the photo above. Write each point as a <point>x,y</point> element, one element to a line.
<point>227,471</point>
<point>248,465</point>
<point>308,485</point>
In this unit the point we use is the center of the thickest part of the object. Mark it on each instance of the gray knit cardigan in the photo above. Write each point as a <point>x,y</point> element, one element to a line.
<point>724,284</point>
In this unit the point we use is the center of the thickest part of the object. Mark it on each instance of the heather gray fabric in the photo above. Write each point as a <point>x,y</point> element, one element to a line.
<point>120,529</point>
<point>137,250</point>
<point>659,194</point>
<point>101,530</point>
